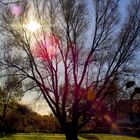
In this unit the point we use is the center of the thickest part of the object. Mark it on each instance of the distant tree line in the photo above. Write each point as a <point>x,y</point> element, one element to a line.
<point>21,119</point>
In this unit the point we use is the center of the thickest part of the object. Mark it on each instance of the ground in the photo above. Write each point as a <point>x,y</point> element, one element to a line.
<point>61,137</point>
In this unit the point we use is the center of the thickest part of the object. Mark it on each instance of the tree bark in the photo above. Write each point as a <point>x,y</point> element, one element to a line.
<point>71,133</point>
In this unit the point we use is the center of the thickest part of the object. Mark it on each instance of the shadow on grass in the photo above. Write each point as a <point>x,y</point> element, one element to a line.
<point>2,134</point>
<point>90,137</point>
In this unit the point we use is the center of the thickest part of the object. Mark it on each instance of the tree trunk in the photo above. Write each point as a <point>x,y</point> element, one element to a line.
<point>3,117</point>
<point>71,134</point>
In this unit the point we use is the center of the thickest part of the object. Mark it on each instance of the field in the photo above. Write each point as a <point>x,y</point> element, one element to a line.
<point>61,137</point>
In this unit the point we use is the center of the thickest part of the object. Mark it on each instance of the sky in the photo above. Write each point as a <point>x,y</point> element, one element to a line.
<point>123,4</point>
<point>41,106</point>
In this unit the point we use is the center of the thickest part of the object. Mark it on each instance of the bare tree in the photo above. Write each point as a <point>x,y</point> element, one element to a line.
<point>72,72</point>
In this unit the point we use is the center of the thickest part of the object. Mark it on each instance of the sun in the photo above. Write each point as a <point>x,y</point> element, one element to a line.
<point>32,26</point>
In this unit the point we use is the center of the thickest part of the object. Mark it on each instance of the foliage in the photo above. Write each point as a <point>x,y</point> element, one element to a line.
<point>20,118</point>
<point>10,91</point>
<point>130,84</point>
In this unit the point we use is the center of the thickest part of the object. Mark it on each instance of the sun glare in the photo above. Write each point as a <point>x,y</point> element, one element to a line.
<point>32,26</point>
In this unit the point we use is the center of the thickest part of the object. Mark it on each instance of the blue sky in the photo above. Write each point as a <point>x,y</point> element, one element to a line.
<point>123,4</point>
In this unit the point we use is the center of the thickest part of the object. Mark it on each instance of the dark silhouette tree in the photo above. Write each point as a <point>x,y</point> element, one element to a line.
<point>66,62</point>
<point>130,84</point>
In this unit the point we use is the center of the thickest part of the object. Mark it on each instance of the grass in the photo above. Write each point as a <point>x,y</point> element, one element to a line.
<point>62,137</point>
<point>107,137</point>
<point>34,137</point>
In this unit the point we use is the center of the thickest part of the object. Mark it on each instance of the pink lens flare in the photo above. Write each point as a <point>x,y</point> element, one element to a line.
<point>115,127</point>
<point>15,9</point>
<point>108,118</point>
<point>111,122</point>
<point>46,47</point>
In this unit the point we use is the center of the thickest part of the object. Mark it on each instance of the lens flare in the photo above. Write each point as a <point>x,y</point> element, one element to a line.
<point>108,118</point>
<point>32,26</point>
<point>46,47</point>
<point>15,10</point>
<point>112,124</point>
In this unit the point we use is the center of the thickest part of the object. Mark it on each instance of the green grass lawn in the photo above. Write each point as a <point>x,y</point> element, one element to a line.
<point>62,137</point>
<point>34,137</point>
<point>107,137</point>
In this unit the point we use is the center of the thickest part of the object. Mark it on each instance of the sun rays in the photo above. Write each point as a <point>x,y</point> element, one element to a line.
<point>32,26</point>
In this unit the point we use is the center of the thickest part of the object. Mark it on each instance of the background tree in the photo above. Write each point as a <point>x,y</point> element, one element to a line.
<point>49,44</point>
<point>21,119</point>
<point>134,106</point>
<point>10,91</point>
